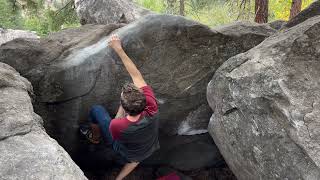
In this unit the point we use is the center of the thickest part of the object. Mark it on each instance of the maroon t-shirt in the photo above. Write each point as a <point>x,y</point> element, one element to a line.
<point>139,138</point>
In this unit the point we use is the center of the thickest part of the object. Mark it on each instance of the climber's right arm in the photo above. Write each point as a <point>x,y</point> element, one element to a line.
<point>135,74</point>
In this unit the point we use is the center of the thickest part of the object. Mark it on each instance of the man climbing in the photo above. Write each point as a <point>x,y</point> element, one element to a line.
<point>133,133</point>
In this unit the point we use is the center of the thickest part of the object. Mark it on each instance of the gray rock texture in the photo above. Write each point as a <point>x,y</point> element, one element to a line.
<point>266,105</point>
<point>108,11</point>
<point>187,153</point>
<point>278,24</point>
<point>10,34</point>
<point>74,69</point>
<point>311,11</point>
<point>27,152</point>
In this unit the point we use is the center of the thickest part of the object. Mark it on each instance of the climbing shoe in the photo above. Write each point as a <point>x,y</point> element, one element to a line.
<point>86,131</point>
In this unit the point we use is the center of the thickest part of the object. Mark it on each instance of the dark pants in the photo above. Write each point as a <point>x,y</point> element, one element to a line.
<point>99,115</point>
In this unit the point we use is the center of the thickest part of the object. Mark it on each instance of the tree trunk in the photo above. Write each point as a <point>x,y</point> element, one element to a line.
<point>295,8</point>
<point>261,11</point>
<point>182,7</point>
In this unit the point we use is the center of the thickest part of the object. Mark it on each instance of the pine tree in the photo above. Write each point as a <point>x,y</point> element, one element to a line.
<point>261,11</point>
<point>295,8</point>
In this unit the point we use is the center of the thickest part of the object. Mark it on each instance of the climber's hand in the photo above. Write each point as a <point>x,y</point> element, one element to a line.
<point>115,43</point>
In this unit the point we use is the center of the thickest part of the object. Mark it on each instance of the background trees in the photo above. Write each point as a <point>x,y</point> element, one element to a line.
<point>42,16</point>
<point>215,12</point>
<point>45,16</point>
<point>261,11</point>
<point>262,6</point>
<point>295,8</point>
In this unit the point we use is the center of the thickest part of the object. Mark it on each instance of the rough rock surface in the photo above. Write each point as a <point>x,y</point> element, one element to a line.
<point>187,153</point>
<point>311,11</point>
<point>177,57</point>
<point>27,152</point>
<point>10,34</point>
<point>278,24</point>
<point>266,107</point>
<point>108,11</point>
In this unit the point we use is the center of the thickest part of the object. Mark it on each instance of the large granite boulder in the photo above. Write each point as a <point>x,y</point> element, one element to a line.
<point>266,105</point>
<point>27,152</point>
<point>10,34</point>
<point>74,69</point>
<point>309,12</point>
<point>108,11</point>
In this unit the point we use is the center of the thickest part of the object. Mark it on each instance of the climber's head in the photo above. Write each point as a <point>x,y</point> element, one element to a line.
<point>133,100</point>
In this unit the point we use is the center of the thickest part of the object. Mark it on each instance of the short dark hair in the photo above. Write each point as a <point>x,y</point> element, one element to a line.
<point>132,99</point>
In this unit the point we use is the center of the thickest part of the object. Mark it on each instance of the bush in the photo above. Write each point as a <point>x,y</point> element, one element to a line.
<point>153,5</point>
<point>37,18</point>
<point>10,17</point>
<point>214,14</point>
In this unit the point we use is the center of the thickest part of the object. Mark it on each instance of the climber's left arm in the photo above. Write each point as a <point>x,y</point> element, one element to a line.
<point>127,168</point>
<point>121,113</point>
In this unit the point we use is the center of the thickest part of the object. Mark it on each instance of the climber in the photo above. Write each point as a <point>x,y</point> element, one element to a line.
<point>133,134</point>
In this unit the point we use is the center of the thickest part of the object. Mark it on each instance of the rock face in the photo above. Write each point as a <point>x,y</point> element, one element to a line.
<point>278,24</point>
<point>27,152</point>
<point>10,34</point>
<point>266,107</point>
<point>187,153</point>
<point>177,57</point>
<point>108,11</point>
<point>311,11</point>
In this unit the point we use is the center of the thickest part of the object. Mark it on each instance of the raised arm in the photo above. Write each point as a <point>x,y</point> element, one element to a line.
<point>121,113</point>
<point>135,74</point>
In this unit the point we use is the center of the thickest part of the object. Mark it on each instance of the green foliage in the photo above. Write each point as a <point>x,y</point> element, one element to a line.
<point>9,16</point>
<point>280,9</point>
<point>154,5</point>
<point>201,4</point>
<point>209,12</point>
<point>62,18</point>
<point>33,15</point>
<point>218,12</point>
<point>36,24</point>
<point>213,14</point>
